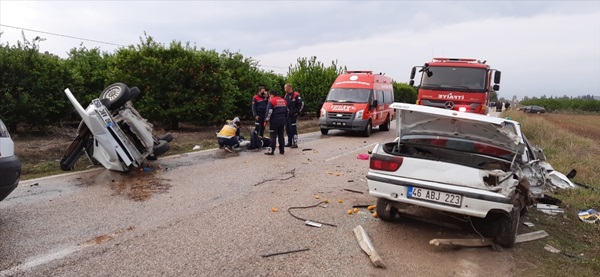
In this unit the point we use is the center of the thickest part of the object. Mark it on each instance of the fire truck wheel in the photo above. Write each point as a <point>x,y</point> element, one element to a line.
<point>368,129</point>
<point>386,125</point>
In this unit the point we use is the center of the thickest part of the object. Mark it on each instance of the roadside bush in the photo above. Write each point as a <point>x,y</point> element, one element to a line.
<point>405,93</point>
<point>312,79</point>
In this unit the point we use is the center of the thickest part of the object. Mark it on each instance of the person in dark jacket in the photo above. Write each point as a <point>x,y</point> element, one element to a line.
<point>295,106</point>
<point>277,113</point>
<point>258,142</point>
<point>259,110</point>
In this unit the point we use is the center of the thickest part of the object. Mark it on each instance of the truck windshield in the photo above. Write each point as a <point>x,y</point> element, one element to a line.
<point>349,95</point>
<point>455,78</point>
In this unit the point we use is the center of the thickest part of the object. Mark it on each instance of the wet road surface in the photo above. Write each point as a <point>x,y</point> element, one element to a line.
<point>209,213</point>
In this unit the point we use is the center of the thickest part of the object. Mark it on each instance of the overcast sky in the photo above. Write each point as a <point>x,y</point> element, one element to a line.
<point>541,47</point>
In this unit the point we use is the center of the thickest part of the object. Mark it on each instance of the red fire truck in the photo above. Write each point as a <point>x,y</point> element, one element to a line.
<point>456,84</point>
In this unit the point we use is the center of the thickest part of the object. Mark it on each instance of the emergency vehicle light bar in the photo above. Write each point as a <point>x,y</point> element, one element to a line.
<point>359,71</point>
<point>454,60</point>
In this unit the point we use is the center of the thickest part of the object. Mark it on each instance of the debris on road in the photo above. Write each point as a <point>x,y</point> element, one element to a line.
<point>196,147</point>
<point>372,207</point>
<point>463,242</point>
<point>551,249</point>
<point>487,241</point>
<point>549,209</point>
<point>340,200</point>
<point>589,216</point>
<point>34,185</point>
<point>363,156</point>
<point>292,172</point>
<point>355,191</point>
<point>285,252</point>
<point>274,209</point>
<point>307,149</point>
<point>304,219</point>
<point>531,236</point>
<point>313,224</point>
<point>528,224</point>
<point>367,246</point>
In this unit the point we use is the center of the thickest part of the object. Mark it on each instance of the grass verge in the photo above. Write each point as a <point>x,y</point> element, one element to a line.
<point>565,148</point>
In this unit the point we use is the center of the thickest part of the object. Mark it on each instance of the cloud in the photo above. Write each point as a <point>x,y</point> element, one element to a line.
<point>541,47</point>
<point>531,52</point>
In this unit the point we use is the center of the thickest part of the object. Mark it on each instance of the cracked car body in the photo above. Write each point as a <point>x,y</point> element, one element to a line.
<point>462,163</point>
<point>120,140</point>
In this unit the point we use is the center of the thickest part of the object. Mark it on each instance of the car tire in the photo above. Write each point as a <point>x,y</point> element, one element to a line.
<point>386,125</point>
<point>161,148</point>
<point>168,137</point>
<point>324,131</point>
<point>117,95</point>
<point>368,129</point>
<point>507,228</point>
<point>385,210</point>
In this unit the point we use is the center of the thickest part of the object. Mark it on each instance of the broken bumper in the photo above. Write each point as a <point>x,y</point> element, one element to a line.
<point>474,202</point>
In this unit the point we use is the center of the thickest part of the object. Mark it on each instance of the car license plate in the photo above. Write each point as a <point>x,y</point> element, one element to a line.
<point>435,196</point>
<point>104,114</point>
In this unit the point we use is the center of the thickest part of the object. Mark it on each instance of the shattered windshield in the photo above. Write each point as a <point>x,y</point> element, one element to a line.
<point>348,95</point>
<point>460,78</point>
<point>457,144</point>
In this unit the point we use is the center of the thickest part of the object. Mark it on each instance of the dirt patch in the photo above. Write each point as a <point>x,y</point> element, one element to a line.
<point>140,187</point>
<point>584,125</point>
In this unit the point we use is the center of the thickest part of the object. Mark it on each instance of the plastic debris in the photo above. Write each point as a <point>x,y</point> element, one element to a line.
<point>528,224</point>
<point>363,156</point>
<point>196,147</point>
<point>551,249</point>
<point>285,252</point>
<point>549,209</point>
<point>589,216</point>
<point>313,224</point>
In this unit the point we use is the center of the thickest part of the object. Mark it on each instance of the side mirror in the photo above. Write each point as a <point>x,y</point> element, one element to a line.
<point>411,83</point>
<point>497,77</point>
<point>496,87</point>
<point>374,104</point>
<point>413,72</point>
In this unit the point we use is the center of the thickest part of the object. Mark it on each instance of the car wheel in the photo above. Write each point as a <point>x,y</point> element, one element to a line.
<point>385,210</point>
<point>160,148</point>
<point>324,131</point>
<point>167,137</point>
<point>386,125</point>
<point>368,129</point>
<point>117,95</point>
<point>507,228</point>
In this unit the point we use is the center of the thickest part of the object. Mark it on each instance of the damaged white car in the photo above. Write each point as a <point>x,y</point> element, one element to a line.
<point>113,133</point>
<point>461,163</point>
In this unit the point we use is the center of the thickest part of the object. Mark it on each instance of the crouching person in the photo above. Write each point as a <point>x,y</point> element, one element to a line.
<point>228,137</point>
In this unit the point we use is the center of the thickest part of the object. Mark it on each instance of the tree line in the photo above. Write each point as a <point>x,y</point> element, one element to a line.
<point>178,82</point>
<point>564,104</point>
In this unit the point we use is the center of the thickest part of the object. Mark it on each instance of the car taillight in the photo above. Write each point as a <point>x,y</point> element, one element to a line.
<point>386,163</point>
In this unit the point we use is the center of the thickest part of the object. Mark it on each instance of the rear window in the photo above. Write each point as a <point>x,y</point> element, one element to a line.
<point>457,144</point>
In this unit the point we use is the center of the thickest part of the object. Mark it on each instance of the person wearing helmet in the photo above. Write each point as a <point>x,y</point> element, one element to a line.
<point>228,137</point>
<point>277,113</point>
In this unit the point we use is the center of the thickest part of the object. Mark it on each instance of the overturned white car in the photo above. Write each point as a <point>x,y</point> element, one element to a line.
<point>461,163</point>
<point>113,133</point>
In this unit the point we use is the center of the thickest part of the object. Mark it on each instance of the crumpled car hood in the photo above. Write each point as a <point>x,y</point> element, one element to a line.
<point>424,120</point>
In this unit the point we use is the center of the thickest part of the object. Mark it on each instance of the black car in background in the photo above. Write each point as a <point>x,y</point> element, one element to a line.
<point>534,109</point>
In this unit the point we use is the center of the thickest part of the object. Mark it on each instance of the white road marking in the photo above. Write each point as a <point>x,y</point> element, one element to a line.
<point>24,267</point>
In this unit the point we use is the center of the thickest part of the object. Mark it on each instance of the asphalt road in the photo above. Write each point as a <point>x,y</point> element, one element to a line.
<point>209,213</point>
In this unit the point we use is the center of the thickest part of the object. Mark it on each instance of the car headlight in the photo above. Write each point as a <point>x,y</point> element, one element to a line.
<point>359,114</point>
<point>323,113</point>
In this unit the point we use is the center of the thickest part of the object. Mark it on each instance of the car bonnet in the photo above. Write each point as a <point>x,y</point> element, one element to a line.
<point>424,120</point>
